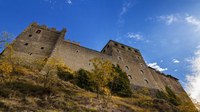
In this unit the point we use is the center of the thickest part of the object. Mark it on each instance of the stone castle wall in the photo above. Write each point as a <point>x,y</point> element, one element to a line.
<point>39,42</point>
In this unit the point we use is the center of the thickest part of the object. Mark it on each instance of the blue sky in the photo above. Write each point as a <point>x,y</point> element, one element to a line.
<point>167,32</point>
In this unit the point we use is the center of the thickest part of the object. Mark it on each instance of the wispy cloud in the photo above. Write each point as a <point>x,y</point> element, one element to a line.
<point>175,61</point>
<point>157,67</point>
<point>168,19</point>
<point>125,7</point>
<point>69,2</point>
<point>136,36</point>
<point>193,79</point>
<point>193,21</point>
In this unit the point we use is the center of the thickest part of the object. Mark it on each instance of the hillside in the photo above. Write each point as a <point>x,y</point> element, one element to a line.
<point>25,91</point>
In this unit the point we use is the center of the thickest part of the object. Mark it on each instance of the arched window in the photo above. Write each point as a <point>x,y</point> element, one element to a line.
<point>127,68</point>
<point>130,77</point>
<point>38,31</point>
<point>146,81</point>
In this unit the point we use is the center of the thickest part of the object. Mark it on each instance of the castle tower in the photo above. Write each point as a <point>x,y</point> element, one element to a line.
<point>36,42</point>
<point>132,62</point>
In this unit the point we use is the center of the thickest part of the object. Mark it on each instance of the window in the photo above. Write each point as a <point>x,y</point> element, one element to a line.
<point>127,68</point>
<point>141,65</point>
<point>77,51</point>
<point>31,53</point>
<point>30,35</point>
<point>104,50</point>
<point>141,71</point>
<point>116,44</point>
<point>108,46</point>
<point>136,51</point>
<point>129,49</point>
<point>42,47</point>
<point>38,31</point>
<point>119,58</point>
<point>123,47</point>
<point>26,44</point>
<point>130,77</point>
<point>146,81</point>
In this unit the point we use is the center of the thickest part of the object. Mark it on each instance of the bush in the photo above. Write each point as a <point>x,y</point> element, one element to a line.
<point>65,75</point>
<point>121,84</point>
<point>84,80</point>
<point>170,96</point>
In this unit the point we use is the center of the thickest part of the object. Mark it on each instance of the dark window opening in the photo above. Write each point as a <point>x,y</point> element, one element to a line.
<point>26,44</point>
<point>31,53</point>
<point>77,51</point>
<point>108,46</point>
<point>30,35</point>
<point>104,51</point>
<point>116,44</point>
<point>136,51</point>
<point>142,71</point>
<point>127,68</point>
<point>146,81</point>
<point>129,49</point>
<point>38,31</point>
<point>42,47</point>
<point>130,77</point>
<point>123,47</point>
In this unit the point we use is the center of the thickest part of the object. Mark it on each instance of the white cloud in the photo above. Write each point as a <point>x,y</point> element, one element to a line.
<point>193,21</point>
<point>168,19</point>
<point>69,2</point>
<point>136,36</point>
<point>125,8</point>
<point>193,79</point>
<point>157,67</point>
<point>175,61</point>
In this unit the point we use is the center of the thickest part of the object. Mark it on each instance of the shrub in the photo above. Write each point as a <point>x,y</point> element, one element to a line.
<point>84,80</point>
<point>64,74</point>
<point>121,83</point>
<point>172,98</point>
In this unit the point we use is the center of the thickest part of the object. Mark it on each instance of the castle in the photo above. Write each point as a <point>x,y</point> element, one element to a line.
<point>40,42</point>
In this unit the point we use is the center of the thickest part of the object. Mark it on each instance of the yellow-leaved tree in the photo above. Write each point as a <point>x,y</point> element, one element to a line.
<point>102,73</point>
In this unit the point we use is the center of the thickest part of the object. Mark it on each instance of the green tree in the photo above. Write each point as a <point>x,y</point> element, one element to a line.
<point>121,84</point>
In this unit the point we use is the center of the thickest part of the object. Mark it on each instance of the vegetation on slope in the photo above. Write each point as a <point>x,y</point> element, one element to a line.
<point>24,88</point>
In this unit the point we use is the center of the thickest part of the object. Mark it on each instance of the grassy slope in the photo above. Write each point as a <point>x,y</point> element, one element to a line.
<point>25,91</point>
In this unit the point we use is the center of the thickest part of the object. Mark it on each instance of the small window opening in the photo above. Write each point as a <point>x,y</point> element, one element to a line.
<point>30,35</point>
<point>104,51</point>
<point>38,31</point>
<point>141,65</point>
<point>130,77</point>
<point>127,68</point>
<point>123,47</point>
<point>116,44</point>
<point>42,47</point>
<point>119,58</point>
<point>136,51</point>
<point>26,44</point>
<point>108,46</point>
<point>129,49</point>
<point>77,51</point>
<point>146,81</point>
<point>31,53</point>
<point>142,71</point>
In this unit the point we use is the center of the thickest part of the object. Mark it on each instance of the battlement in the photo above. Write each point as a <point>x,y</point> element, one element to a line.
<point>44,27</point>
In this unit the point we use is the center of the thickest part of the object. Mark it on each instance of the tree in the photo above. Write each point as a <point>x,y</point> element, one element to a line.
<point>5,38</point>
<point>102,74</point>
